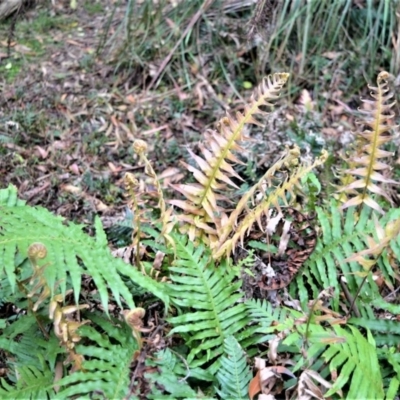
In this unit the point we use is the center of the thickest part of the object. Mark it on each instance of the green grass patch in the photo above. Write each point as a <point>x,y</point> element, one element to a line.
<point>93,8</point>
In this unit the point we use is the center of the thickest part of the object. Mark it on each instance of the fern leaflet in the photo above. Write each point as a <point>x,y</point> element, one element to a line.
<point>356,361</point>
<point>234,374</point>
<point>32,382</point>
<point>108,358</point>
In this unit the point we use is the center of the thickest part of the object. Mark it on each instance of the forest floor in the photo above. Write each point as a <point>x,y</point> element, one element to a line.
<point>75,94</point>
<point>81,81</point>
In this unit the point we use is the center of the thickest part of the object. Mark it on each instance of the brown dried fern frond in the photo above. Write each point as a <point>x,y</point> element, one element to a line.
<point>289,158</point>
<point>226,246</point>
<point>202,213</point>
<point>139,197</point>
<point>366,165</point>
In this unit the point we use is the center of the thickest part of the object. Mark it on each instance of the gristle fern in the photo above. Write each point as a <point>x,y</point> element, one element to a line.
<point>70,252</point>
<point>234,374</point>
<point>278,196</point>
<point>71,328</point>
<point>202,208</point>
<point>367,167</point>
<point>107,360</point>
<point>338,258</point>
<point>213,296</point>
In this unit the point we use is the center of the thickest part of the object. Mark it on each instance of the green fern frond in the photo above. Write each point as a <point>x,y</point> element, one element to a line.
<point>393,389</point>
<point>386,331</point>
<point>271,319</point>
<point>70,252</point>
<point>28,375</point>
<point>9,197</point>
<point>26,343</point>
<point>208,297</point>
<point>367,165</point>
<point>356,362</point>
<point>394,382</point>
<point>108,357</point>
<point>169,377</point>
<point>31,382</point>
<point>342,236</point>
<point>214,176</point>
<point>234,374</point>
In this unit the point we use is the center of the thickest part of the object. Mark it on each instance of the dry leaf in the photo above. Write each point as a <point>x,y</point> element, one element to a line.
<point>305,101</point>
<point>285,237</point>
<point>254,386</point>
<point>71,189</point>
<point>267,379</point>
<point>331,55</point>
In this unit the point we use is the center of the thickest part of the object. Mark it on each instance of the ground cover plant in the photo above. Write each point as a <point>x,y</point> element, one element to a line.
<point>263,263</point>
<point>215,268</point>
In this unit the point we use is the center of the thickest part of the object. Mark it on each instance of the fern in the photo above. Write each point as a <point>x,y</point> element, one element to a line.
<point>269,319</point>
<point>341,237</point>
<point>234,374</point>
<point>202,209</point>
<point>30,382</point>
<point>348,353</point>
<point>29,376</point>
<point>279,195</point>
<point>108,357</point>
<point>170,376</point>
<point>367,165</point>
<point>394,382</point>
<point>70,252</point>
<point>356,362</point>
<point>208,298</point>
<point>386,332</point>
<point>352,359</point>
<point>23,340</point>
<point>213,327</point>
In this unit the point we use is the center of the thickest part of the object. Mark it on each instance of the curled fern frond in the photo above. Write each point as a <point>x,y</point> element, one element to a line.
<point>140,148</point>
<point>367,165</point>
<point>214,174</point>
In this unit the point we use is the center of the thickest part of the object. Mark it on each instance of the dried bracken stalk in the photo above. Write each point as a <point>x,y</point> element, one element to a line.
<point>202,213</point>
<point>366,165</point>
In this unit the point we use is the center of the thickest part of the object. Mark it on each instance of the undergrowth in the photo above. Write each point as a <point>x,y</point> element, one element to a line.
<point>253,38</point>
<point>216,282</point>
